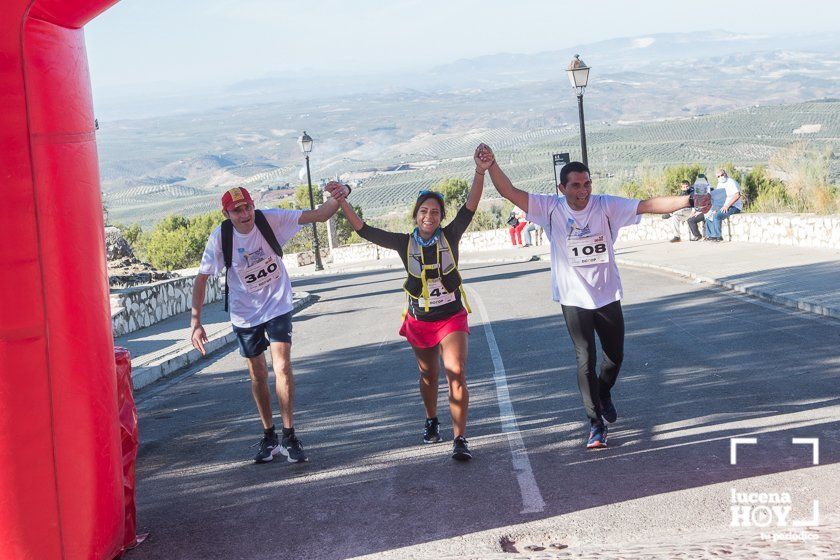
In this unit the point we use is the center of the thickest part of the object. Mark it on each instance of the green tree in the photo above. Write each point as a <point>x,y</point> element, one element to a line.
<point>344,231</point>
<point>455,192</point>
<point>178,242</point>
<point>673,175</point>
<point>132,234</point>
<point>168,249</point>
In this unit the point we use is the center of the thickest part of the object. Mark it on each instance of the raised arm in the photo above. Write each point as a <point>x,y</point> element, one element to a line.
<point>482,164</point>
<point>501,181</point>
<point>350,213</point>
<point>326,210</point>
<point>667,204</point>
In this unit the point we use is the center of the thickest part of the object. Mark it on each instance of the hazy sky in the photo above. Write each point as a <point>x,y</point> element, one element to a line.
<point>207,41</point>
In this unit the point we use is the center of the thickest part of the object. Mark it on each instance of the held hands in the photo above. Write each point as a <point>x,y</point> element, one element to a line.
<point>483,158</point>
<point>337,190</point>
<point>199,338</point>
<point>702,202</point>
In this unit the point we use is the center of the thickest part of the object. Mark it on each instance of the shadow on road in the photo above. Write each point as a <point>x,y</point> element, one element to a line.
<point>699,368</point>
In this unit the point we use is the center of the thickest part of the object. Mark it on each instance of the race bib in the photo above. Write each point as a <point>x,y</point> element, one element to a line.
<point>437,294</point>
<point>583,251</point>
<point>260,274</point>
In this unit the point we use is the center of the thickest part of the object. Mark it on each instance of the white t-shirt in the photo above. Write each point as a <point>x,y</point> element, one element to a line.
<point>731,186</point>
<point>593,285</point>
<point>248,309</point>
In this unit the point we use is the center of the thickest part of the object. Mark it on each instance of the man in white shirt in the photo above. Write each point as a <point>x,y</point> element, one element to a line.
<point>260,295</point>
<point>732,205</point>
<point>582,228</point>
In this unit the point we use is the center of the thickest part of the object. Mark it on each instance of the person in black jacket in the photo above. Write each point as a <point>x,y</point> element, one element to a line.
<point>435,322</point>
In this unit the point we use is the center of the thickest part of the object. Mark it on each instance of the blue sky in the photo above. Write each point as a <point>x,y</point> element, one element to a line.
<point>194,42</point>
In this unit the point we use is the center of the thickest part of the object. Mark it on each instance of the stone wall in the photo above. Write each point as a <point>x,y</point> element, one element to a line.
<point>140,306</point>
<point>296,260</point>
<point>799,230</point>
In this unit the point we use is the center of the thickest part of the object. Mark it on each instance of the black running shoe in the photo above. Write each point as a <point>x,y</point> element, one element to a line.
<point>608,408</point>
<point>460,451</point>
<point>269,447</point>
<point>292,449</point>
<point>431,431</point>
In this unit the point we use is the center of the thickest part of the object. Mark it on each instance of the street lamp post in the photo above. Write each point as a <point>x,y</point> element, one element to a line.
<point>305,142</point>
<point>579,75</point>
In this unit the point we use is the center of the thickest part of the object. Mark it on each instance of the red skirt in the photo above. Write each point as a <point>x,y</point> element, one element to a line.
<point>427,334</point>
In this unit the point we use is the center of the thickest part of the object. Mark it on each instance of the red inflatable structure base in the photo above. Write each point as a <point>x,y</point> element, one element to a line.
<point>62,493</point>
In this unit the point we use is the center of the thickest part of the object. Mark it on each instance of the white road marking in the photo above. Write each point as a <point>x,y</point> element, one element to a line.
<point>532,500</point>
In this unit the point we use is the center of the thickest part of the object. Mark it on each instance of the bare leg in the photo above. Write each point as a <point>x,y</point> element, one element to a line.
<point>281,360</point>
<point>454,353</point>
<point>429,366</point>
<point>259,388</point>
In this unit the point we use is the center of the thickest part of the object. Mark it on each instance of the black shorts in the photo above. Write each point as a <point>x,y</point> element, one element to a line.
<point>254,340</point>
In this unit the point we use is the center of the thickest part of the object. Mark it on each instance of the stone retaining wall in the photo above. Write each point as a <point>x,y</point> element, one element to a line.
<point>799,230</point>
<point>140,306</point>
<point>796,230</point>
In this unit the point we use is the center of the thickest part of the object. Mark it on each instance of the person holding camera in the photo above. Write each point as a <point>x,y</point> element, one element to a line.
<point>582,228</point>
<point>517,223</point>
<point>435,321</point>
<point>248,247</point>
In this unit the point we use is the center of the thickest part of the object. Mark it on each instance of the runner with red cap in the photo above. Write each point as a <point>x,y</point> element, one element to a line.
<point>248,247</point>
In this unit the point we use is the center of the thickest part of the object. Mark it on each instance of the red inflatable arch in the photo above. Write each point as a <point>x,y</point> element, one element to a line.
<point>61,494</point>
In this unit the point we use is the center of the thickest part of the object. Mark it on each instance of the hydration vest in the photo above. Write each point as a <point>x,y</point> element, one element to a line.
<point>417,285</point>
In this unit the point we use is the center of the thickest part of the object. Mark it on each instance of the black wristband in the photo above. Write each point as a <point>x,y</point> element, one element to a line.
<point>349,189</point>
<point>691,201</point>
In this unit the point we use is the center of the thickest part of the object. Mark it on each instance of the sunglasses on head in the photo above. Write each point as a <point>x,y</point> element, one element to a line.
<point>424,192</point>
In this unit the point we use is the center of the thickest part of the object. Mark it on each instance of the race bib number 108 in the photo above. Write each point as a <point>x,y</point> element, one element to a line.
<point>584,251</point>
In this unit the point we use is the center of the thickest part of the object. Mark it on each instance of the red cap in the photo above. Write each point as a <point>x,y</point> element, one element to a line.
<point>235,197</point>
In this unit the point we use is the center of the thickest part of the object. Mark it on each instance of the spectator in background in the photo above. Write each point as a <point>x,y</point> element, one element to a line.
<point>517,223</point>
<point>682,215</point>
<point>526,234</point>
<point>732,204</point>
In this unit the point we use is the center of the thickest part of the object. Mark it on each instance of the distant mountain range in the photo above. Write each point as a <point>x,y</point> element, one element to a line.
<point>246,133</point>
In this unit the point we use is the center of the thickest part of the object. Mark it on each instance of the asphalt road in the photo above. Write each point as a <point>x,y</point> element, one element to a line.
<point>701,366</point>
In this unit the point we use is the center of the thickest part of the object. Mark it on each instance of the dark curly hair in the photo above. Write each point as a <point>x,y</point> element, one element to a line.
<point>426,196</point>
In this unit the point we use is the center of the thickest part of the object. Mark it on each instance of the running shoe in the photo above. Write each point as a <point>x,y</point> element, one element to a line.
<point>269,447</point>
<point>460,451</point>
<point>431,431</point>
<point>292,449</point>
<point>597,434</point>
<point>608,408</point>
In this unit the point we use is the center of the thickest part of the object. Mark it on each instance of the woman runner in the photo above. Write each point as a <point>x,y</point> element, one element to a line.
<point>435,323</point>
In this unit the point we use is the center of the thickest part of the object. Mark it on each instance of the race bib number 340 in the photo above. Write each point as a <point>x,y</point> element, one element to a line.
<point>584,251</point>
<point>260,274</point>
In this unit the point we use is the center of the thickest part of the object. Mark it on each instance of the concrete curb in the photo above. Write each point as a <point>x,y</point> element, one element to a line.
<point>741,289</point>
<point>149,368</point>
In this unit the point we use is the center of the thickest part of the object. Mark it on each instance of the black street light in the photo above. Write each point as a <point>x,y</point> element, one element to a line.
<point>579,76</point>
<point>305,142</point>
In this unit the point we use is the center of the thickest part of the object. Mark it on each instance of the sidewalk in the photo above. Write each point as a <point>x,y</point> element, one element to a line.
<point>798,277</point>
<point>165,347</point>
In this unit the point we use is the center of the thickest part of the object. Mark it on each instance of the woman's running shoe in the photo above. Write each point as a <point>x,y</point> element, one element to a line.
<point>431,430</point>
<point>460,451</point>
